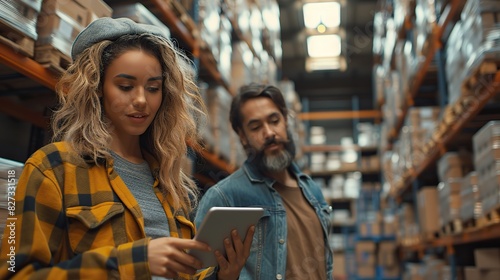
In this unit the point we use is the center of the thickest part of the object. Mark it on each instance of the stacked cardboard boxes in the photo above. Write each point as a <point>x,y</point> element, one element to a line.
<point>428,205</point>
<point>366,258</point>
<point>449,196</point>
<point>96,9</point>
<point>452,167</point>
<point>470,207</point>
<point>408,233</point>
<point>387,259</point>
<point>218,105</point>
<point>486,143</point>
<point>472,41</point>
<point>58,25</point>
<point>18,20</point>
<point>487,265</point>
<point>140,14</point>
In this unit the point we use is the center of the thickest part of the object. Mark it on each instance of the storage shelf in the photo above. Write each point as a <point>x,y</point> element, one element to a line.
<point>176,25</point>
<point>375,238</point>
<point>450,130</point>
<point>27,66</point>
<point>451,10</point>
<point>342,171</point>
<point>343,224</point>
<point>337,148</point>
<point>487,233</point>
<point>180,30</point>
<point>208,62</point>
<point>339,199</point>
<point>340,115</point>
<point>239,34</point>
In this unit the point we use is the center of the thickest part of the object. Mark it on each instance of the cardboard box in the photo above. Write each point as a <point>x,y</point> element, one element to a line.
<point>365,253</point>
<point>389,227</point>
<point>340,265</point>
<point>366,271</point>
<point>428,207</point>
<point>370,229</point>
<point>390,271</point>
<point>52,25</point>
<point>387,254</point>
<point>474,273</point>
<point>96,9</point>
<point>487,258</point>
<point>69,8</point>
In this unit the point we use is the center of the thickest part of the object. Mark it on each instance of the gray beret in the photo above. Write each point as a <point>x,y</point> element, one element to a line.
<point>110,29</point>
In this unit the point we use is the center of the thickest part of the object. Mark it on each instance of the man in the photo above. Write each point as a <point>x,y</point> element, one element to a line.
<point>291,239</point>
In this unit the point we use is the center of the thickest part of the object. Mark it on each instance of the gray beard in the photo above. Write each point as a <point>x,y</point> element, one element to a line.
<point>277,162</point>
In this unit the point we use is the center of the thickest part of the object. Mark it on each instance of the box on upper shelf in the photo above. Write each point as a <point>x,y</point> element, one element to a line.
<point>449,197</point>
<point>96,9</point>
<point>58,25</point>
<point>470,207</point>
<point>487,258</point>
<point>428,206</point>
<point>453,165</point>
<point>140,14</point>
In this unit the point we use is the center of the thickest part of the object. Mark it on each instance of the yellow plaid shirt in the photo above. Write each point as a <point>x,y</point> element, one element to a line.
<point>76,220</point>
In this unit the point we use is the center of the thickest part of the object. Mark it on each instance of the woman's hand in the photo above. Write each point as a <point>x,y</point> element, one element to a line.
<point>237,255</point>
<point>167,256</point>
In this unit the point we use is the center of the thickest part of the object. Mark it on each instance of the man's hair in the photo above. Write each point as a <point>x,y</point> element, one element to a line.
<point>80,119</point>
<point>251,91</point>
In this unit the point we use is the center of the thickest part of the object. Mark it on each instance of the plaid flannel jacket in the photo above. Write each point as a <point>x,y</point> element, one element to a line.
<point>76,220</point>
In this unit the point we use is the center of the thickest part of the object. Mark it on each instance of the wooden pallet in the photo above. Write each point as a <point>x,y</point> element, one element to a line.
<point>17,40</point>
<point>469,225</point>
<point>451,228</point>
<point>52,58</point>
<point>491,217</point>
<point>482,75</point>
<point>429,236</point>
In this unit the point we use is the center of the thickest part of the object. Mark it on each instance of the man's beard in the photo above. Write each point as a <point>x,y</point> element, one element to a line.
<point>277,161</point>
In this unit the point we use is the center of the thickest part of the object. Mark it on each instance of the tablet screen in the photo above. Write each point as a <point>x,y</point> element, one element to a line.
<point>218,224</point>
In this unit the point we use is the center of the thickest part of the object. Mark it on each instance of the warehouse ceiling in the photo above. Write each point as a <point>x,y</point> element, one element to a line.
<point>331,90</point>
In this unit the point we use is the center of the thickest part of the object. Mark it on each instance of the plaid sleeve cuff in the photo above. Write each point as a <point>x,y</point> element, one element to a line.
<point>133,260</point>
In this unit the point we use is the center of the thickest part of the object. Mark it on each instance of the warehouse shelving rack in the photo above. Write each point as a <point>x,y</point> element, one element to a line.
<point>457,118</point>
<point>371,199</point>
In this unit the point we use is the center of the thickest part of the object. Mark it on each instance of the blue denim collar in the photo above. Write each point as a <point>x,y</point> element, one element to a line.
<point>255,176</point>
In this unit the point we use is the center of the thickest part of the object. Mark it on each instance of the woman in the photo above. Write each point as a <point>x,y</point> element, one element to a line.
<point>110,200</point>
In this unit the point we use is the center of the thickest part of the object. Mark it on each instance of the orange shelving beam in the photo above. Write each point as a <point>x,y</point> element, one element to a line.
<point>335,148</point>
<point>338,115</point>
<point>176,25</point>
<point>27,67</point>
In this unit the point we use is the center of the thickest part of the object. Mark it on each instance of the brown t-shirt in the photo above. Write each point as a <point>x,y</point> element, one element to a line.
<point>305,242</point>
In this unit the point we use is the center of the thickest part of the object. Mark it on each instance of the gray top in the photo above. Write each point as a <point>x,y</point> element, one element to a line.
<point>139,181</point>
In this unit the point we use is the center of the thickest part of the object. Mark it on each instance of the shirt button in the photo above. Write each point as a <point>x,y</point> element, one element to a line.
<point>282,241</point>
<point>279,276</point>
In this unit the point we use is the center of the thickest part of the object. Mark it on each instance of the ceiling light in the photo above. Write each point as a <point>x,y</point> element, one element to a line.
<point>326,13</point>
<point>324,45</point>
<point>325,63</point>
<point>321,28</point>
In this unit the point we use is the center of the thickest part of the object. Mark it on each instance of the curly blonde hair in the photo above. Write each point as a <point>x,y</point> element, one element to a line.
<point>80,119</point>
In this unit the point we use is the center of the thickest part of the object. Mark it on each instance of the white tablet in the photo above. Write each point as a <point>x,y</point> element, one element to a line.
<point>218,224</point>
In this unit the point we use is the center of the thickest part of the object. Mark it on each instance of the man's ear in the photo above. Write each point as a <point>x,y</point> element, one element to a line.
<point>243,138</point>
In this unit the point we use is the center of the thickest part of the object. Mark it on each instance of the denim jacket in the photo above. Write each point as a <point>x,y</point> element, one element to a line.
<point>248,188</point>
